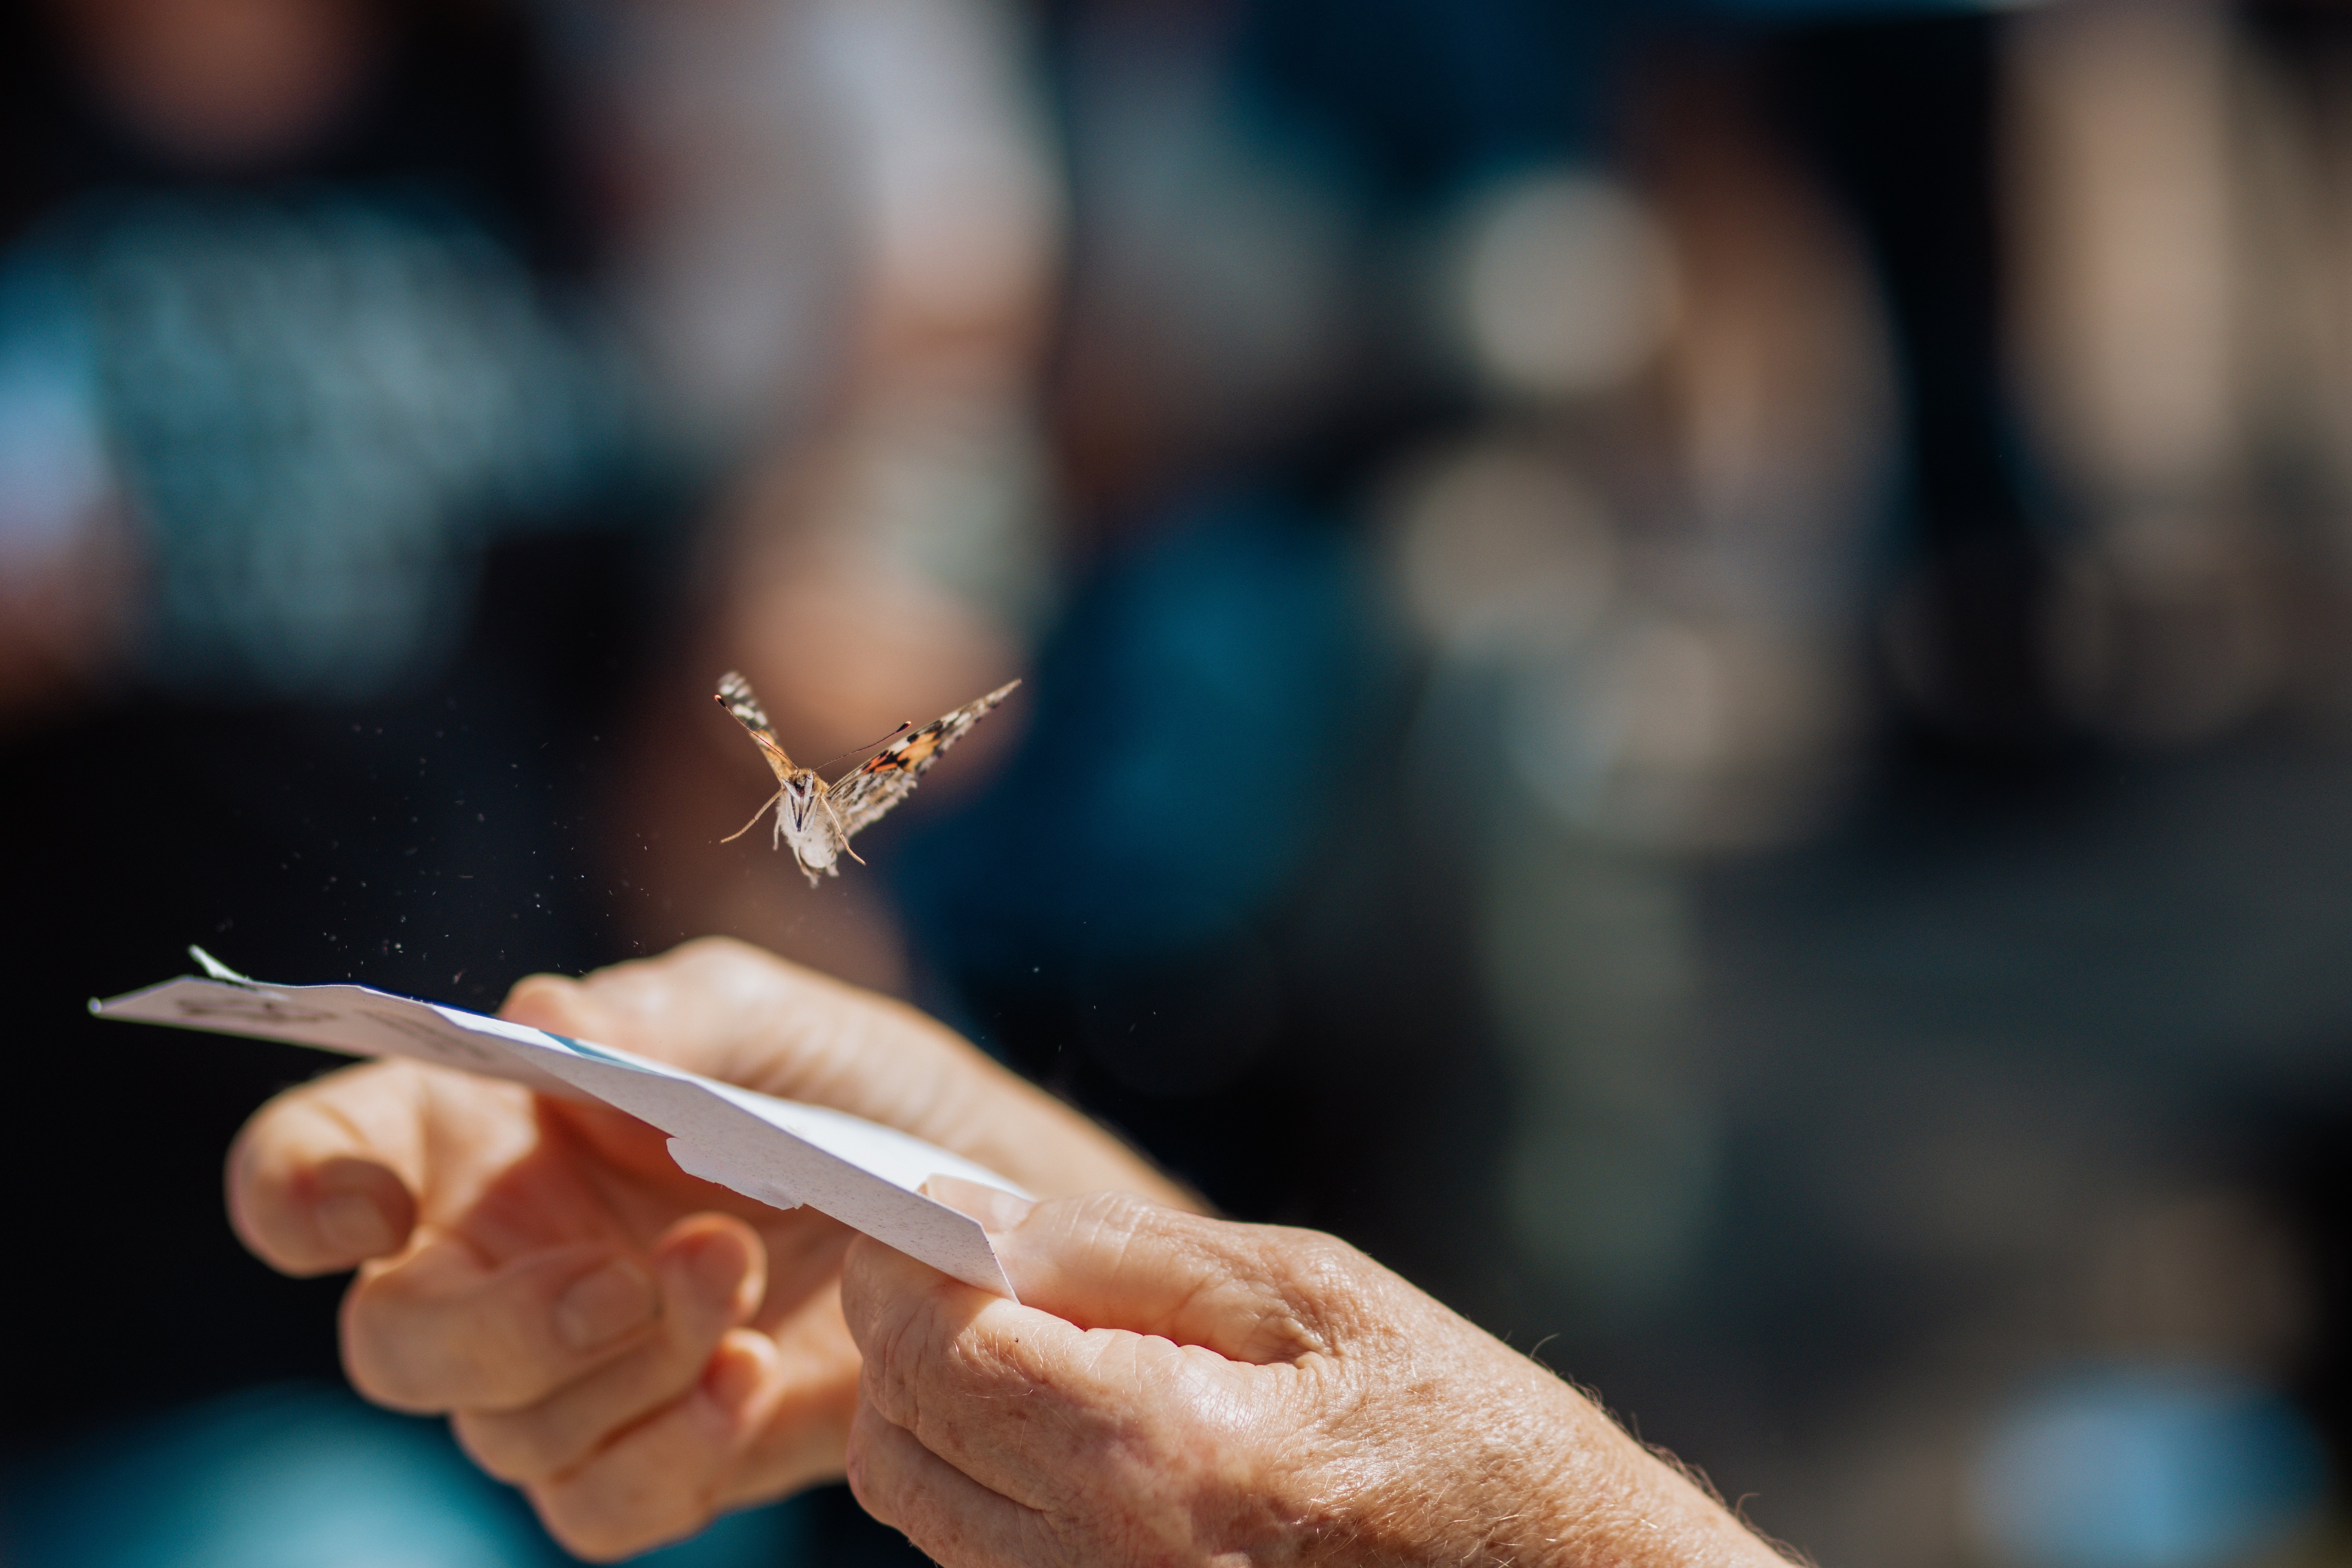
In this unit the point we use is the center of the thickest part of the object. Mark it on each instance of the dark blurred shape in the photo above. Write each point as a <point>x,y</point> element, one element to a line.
<point>1210,692</point>
<point>226,86</point>
<point>285,330</point>
<point>362,366</point>
<point>438,844</point>
<point>1902,115</point>
<point>326,407</point>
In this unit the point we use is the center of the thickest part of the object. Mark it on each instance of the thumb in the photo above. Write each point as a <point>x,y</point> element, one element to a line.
<point>1113,1260</point>
<point>559,1005</point>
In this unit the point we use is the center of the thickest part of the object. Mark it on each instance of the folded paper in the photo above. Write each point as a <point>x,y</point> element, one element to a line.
<point>778,1151</point>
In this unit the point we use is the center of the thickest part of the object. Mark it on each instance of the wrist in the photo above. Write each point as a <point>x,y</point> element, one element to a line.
<point>1544,1478</point>
<point>1605,1499</point>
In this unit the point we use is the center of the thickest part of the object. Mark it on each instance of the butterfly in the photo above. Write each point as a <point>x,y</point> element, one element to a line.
<point>817,819</point>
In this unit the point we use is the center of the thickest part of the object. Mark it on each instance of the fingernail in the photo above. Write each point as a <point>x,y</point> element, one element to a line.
<point>598,1308</point>
<point>354,1225</point>
<point>996,1209</point>
<point>731,1379</point>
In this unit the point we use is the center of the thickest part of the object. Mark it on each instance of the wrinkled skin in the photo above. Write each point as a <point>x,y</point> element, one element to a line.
<point>637,1349</point>
<point>1177,1390</point>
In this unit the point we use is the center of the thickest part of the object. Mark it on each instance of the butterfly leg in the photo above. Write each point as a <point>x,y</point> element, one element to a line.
<point>841,835</point>
<point>755,819</point>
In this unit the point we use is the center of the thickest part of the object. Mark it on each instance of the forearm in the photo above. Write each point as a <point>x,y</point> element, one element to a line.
<point>1611,1502</point>
<point>1523,1470</point>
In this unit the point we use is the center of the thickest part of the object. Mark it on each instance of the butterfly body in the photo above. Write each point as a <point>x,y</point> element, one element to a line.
<point>804,821</point>
<point>816,819</point>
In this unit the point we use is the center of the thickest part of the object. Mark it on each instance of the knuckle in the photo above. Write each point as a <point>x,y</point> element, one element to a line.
<point>592,1523</point>
<point>511,1448</point>
<point>857,1302</point>
<point>930,1525</point>
<point>891,1343</point>
<point>589,1537</point>
<point>876,1465</point>
<point>1107,1224</point>
<point>377,1357</point>
<point>865,1478</point>
<point>408,1357</point>
<point>863,1302</point>
<point>388,1385</point>
<point>1317,1271</point>
<point>948,1535</point>
<point>716,964</point>
<point>385,1380</point>
<point>1114,1211</point>
<point>884,1381</point>
<point>996,1362</point>
<point>714,949</point>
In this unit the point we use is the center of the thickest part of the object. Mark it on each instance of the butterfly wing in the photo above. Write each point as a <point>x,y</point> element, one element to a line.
<point>735,695</point>
<point>888,776</point>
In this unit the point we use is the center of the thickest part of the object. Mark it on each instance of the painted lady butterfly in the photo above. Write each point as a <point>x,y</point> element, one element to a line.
<point>817,819</point>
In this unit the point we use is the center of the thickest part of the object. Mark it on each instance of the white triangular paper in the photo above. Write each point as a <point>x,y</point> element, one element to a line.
<point>777,1152</point>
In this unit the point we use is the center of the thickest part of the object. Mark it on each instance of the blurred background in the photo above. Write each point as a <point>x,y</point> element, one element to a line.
<point>1688,670</point>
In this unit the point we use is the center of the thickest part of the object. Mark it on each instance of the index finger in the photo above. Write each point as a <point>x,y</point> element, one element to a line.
<point>1013,1398</point>
<point>324,1176</point>
<point>731,1012</point>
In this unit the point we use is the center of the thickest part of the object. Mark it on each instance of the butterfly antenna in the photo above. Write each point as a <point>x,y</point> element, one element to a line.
<point>755,819</point>
<point>904,725</point>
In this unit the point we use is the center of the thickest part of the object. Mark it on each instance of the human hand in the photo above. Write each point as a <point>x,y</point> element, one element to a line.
<point>637,1348</point>
<point>1173,1389</point>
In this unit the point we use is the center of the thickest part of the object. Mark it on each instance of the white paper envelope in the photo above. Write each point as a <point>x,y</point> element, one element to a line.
<point>778,1151</point>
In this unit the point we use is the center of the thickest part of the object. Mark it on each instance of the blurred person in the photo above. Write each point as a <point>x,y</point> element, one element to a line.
<point>1847,461</point>
<point>1189,902</point>
<point>336,510</point>
<point>1247,979</point>
<point>1900,113</point>
<point>639,1349</point>
<point>354,414</point>
<point>842,247</point>
<point>2179,232</point>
